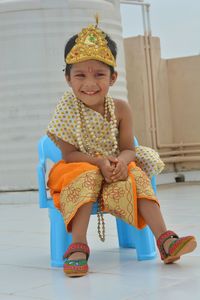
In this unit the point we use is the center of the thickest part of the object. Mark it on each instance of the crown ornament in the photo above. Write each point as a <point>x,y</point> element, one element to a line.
<point>91,43</point>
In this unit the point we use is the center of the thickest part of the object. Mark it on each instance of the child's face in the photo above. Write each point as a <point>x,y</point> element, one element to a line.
<point>90,81</point>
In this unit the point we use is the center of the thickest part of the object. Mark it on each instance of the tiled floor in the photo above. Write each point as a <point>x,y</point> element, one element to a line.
<point>115,273</point>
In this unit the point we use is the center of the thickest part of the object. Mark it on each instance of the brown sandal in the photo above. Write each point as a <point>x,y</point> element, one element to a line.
<point>76,268</point>
<point>177,248</point>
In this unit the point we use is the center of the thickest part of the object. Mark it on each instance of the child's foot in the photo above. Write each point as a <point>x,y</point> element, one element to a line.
<point>167,244</point>
<point>171,247</point>
<point>76,256</point>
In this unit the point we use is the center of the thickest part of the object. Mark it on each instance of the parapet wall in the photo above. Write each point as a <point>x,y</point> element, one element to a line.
<point>164,96</point>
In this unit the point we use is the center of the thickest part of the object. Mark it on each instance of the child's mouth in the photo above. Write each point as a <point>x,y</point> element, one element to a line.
<point>90,93</point>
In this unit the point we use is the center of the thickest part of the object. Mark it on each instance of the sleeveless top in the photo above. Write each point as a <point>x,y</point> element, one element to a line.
<point>63,125</point>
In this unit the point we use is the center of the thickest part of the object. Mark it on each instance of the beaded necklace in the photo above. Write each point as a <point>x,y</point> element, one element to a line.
<point>94,141</point>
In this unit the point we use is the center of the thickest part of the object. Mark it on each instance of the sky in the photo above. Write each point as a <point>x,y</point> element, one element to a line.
<point>175,22</point>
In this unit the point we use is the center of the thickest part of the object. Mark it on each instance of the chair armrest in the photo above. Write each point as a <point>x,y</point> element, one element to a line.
<point>43,200</point>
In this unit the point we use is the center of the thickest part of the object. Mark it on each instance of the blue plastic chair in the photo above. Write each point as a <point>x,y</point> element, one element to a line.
<point>128,236</point>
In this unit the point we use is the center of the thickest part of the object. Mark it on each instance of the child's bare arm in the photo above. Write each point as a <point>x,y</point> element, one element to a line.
<point>71,154</point>
<point>127,150</point>
<point>126,147</point>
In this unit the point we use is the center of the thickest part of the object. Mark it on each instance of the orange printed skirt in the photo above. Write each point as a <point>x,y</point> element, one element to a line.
<point>75,184</point>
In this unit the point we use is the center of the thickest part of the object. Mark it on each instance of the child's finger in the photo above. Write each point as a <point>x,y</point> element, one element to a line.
<point>113,166</point>
<point>112,159</point>
<point>120,177</point>
<point>108,180</point>
<point>110,170</point>
<point>117,169</point>
<point>110,166</point>
<point>116,176</point>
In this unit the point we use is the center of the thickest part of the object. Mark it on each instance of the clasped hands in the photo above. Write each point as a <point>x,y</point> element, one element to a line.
<point>113,169</point>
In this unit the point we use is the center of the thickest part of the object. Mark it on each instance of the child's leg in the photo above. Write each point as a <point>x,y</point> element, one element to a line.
<point>79,228</point>
<point>152,215</point>
<point>174,247</point>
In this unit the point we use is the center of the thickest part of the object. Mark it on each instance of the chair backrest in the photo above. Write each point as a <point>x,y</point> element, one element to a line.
<point>48,150</point>
<point>135,142</point>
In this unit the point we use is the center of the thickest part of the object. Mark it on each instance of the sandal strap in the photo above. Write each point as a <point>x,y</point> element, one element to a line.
<point>162,239</point>
<point>77,247</point>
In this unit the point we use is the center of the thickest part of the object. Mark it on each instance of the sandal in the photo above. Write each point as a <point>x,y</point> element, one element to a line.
<point>177,248</point>
<point>76,268</point>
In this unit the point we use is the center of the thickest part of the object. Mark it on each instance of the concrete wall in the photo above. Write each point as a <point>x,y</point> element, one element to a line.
<point>174,115</point>
<point>184,93</point>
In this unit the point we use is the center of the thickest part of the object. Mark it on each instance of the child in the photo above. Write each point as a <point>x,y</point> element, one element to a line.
<point>94,133</point>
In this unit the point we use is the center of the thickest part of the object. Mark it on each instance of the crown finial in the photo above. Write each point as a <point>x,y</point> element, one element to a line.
<point>97,19</point>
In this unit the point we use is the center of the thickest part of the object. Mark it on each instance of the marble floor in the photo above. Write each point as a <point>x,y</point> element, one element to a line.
<point>25,271</point>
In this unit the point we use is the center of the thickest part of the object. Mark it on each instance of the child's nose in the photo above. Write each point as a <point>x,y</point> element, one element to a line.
<point>90,83</point>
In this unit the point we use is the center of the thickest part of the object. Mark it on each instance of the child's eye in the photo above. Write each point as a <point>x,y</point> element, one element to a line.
<point>80,75</point>
<point>100,74</point>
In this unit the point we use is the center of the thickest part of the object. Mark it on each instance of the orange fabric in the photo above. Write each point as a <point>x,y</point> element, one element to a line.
<point>62,174</point>
<point>134,191</point>
<point>75,184</point>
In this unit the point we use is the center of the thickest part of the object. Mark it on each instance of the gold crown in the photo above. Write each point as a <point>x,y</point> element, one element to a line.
<point>91,44</point>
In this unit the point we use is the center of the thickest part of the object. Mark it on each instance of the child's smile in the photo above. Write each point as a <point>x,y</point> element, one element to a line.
<point>90,82</point>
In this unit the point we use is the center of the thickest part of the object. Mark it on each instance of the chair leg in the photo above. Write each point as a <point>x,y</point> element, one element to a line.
<point>125,234</point>
<point>59,238</point>
<point>141,240</point>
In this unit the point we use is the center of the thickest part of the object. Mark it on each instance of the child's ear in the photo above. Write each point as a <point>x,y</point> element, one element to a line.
<point>113,78</point>
<point>67,77</point>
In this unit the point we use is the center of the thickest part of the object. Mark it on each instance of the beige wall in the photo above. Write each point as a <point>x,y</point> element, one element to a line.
<point>184,91</point>
<point>164,96</point>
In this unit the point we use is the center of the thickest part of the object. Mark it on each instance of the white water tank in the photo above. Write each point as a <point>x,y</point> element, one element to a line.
<point>32,38</point>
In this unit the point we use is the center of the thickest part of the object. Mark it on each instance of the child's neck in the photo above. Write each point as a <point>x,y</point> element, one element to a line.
<point>98,108</point>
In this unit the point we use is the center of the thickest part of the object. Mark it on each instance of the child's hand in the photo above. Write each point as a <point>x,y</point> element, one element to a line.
<point>113,160</point>
<point>107,169</point>
<point>120,171</point>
